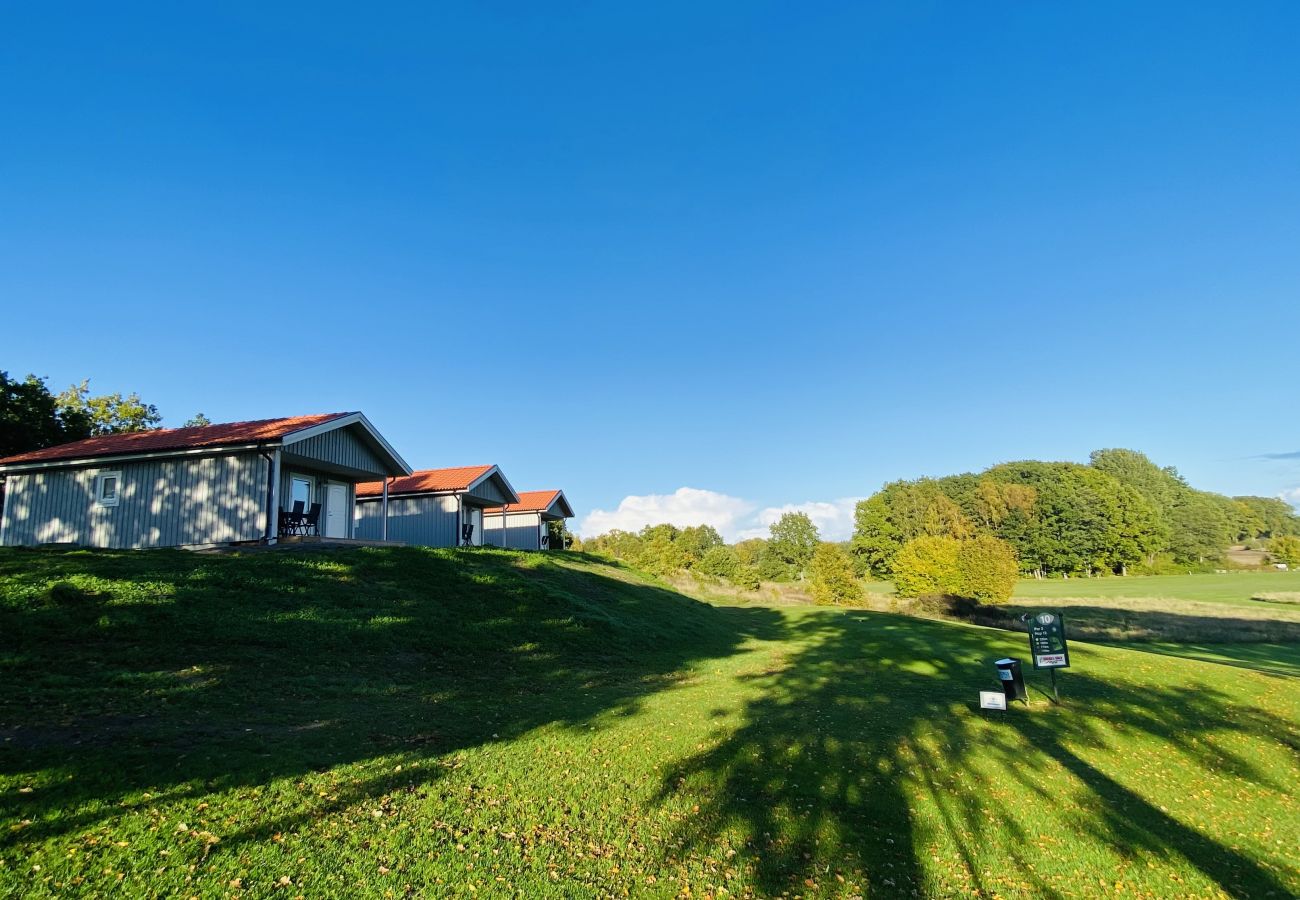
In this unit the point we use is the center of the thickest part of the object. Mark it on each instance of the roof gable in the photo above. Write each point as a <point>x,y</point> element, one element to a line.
<point>429,481</point>
<point>552,502</point>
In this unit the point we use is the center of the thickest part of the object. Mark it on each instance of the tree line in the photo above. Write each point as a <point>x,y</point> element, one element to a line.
<point>1118,513</point>
<point>793,551</point>
<point>972,535</point>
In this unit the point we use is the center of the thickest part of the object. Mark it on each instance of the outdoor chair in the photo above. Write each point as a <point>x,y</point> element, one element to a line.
<point>291,521</point>
<point>466,534</point>
<point>311,522</point>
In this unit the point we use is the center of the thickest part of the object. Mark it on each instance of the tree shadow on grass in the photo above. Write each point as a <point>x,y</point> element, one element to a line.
<point>862,757</point>
<point>180,675</point>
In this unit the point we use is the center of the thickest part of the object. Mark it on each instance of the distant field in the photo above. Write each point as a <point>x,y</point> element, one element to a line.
<point>1233,587</point>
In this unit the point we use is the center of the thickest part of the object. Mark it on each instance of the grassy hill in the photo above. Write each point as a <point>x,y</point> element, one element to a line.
<point>391,722</point>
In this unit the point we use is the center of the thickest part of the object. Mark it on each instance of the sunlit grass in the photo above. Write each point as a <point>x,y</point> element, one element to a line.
<point>385,722</point>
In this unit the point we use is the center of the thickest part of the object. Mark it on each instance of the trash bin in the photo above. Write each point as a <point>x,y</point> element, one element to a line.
<point>1013,682</point>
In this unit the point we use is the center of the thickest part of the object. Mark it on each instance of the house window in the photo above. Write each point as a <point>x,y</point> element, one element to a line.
<point>300,489</point>
<point>108,488</point>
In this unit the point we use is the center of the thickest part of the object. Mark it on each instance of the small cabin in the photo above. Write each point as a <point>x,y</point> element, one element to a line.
<point>525,525</point>
<point>237,482</point>
<point>432,507</point>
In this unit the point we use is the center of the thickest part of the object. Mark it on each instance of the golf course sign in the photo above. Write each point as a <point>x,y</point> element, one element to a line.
<point>1047,641</point>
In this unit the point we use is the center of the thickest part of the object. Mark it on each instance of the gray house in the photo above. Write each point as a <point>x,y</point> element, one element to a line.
<point>432,507</point>
<point>525,524</point>
<point>177,487</point>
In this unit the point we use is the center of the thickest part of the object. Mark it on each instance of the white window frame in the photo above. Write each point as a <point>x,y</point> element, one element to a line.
<point>101,478</point>
<point>311,491</point>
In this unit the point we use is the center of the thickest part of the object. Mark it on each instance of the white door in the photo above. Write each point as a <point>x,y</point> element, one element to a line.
<point>336,510</point>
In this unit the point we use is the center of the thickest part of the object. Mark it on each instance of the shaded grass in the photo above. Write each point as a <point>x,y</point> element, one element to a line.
<point>381,722</point>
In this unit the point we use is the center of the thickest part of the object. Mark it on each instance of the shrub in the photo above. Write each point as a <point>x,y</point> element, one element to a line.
<point>1285,549</point>
<point>986,569</point>
<point>982,568</point>
<point>927,565</point>
<point>719,562</point>
<point>831,578</point>
<point>746,577</point>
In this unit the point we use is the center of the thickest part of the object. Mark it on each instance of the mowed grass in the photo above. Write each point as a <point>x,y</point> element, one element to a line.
<point>487,723</point>
<point>1230,587</point>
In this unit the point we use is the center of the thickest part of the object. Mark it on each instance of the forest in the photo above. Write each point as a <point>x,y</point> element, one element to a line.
<point>972,534</point>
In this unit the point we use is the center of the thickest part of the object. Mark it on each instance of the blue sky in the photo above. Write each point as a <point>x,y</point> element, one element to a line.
<point>774,253</point>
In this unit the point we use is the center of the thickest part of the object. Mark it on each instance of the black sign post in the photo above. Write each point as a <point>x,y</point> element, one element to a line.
<point>1047,645</point>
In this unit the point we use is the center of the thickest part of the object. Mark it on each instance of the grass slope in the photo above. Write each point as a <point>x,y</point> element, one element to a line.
<point>391,722</point>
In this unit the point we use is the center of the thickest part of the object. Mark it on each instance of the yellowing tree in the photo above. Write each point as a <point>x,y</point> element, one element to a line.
<point>987,569</point>
<point>831,578</point>
<point>927,565</point>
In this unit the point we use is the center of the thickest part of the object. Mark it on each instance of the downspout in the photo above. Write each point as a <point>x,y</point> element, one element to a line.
<point>460,521</point>
<point>4,507</point>
<point>383,529</point>
<point>272,496</point>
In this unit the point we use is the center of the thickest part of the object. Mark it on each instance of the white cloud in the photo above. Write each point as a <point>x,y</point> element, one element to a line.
<point>834,519</point>
<point>684,506</point>
<point>1292,496</point>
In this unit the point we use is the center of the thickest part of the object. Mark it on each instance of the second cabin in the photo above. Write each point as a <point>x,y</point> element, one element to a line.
<point>431,507</point>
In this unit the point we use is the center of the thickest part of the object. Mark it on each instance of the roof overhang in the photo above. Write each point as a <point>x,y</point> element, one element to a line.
<point>114,459</point>
<point>370,436</point>
<point>503,483</point>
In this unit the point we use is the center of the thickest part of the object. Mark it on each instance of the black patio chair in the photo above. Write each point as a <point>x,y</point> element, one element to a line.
<point>311,522</point>
<point>466,534</point>
<point>291,520</point>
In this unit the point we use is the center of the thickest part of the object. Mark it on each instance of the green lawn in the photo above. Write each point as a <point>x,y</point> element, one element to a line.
<point>1231,587</point>
<point>402,722</point>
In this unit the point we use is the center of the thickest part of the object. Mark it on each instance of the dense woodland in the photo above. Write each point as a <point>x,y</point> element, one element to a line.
<point>972,535</point>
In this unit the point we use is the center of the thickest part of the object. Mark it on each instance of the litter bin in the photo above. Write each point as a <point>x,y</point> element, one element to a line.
<point>1013,682</point>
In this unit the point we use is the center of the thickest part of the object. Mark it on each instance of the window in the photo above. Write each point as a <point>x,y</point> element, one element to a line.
<point>108,487</point>
<point>299,489</point>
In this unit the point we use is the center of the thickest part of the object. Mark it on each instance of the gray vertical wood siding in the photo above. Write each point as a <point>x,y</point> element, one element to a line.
<point>488,494</point>
<point>522,531</point>
<point>163,503</point>
<point>424,521</point>
<point>341,447</point>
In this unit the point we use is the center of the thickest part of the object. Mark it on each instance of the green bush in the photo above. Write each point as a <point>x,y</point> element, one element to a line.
<point>746,578</point>
<point>986,569</point>
<point>927,565</point>
<point>1285,549</point>
<point>982,568</point>
<point>831,578</point>
<point>719,562</point>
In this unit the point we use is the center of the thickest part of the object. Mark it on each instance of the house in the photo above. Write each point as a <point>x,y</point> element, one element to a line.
<point>432,507</point>
<point>178,487</point>
<point>524,525</point>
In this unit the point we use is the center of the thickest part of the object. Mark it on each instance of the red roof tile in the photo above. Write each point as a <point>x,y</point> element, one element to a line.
<point>164,439</point>
<point>426,481</point>
<point>529,501</point>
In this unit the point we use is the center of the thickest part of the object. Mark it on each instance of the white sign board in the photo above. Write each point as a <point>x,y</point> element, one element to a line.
<point>1050,661</point>
<point>993,700</point>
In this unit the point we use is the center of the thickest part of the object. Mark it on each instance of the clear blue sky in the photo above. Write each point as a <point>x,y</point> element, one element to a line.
<point>783,252</point>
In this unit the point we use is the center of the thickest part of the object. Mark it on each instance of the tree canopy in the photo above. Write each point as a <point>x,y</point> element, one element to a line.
<point>1118,511</point>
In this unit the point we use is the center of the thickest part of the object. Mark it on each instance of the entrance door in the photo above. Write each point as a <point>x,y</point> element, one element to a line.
<point>336,510</point>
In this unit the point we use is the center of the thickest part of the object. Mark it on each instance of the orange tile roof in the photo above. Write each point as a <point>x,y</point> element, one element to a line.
<point>529,501</point>
<point>164,439</point>
<point>426,481</point>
